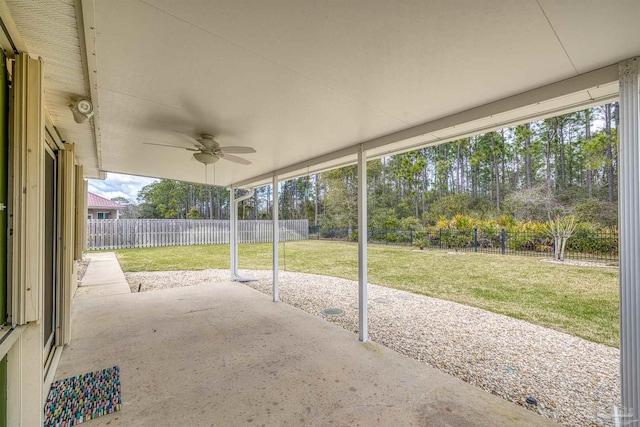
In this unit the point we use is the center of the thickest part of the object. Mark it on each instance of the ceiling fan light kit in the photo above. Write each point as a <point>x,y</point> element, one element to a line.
<point>206,158</point>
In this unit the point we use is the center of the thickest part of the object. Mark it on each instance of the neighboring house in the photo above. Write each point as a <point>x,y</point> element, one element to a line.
<point>101,208</point>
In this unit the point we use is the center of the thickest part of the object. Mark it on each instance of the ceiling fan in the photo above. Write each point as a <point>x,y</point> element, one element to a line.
<point>208,150</point>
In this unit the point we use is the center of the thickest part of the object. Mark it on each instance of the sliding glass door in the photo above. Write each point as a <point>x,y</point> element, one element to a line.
<point>50,254</point>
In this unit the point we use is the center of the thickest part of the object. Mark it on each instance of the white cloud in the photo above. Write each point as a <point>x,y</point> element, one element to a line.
<point>119,185</point>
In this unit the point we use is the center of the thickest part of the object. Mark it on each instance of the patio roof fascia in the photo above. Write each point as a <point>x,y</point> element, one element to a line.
<point>582,91</point>
<point>85,16</point>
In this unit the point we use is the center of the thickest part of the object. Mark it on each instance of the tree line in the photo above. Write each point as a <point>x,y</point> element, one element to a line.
<point>563,164</point>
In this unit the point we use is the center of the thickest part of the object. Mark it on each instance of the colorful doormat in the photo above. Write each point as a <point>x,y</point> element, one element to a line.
<point>78,399</point>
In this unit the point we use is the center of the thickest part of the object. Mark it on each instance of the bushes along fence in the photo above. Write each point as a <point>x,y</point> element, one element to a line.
<point>588,245</point>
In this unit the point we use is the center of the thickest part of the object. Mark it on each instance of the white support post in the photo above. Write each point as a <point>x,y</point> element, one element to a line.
<point>629,235</point>
<point>276,240</point>
<point>233,234</point>
<point>233,245</point>
<point>362,247</point>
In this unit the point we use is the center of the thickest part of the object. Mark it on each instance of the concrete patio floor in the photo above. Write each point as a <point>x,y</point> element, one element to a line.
<point>223,354</point>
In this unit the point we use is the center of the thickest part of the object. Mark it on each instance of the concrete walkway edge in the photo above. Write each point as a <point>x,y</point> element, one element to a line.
<point>103,277</point>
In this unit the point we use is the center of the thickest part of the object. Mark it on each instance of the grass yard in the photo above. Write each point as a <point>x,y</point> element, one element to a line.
<point>582,301</point>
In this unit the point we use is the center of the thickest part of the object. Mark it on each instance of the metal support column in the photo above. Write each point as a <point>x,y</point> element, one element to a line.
<point>276,240</point>
<point>629,223</point>
<point>362,247</point>
<point>233,234</point>
<point>233,246</point>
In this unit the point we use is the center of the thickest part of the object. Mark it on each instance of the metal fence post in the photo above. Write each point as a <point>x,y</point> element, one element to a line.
<point>386,235</point>
<point>440,230</point>
<point>475,239</point>
<point>411,237</point>
<point>503,241</point>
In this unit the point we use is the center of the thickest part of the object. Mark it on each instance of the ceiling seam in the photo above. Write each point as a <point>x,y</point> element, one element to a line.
<point>279,64</point>
<point>102,87</point>
<point>564,49</point>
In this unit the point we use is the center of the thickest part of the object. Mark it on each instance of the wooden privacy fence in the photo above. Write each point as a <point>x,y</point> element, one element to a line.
<point>146,233</point>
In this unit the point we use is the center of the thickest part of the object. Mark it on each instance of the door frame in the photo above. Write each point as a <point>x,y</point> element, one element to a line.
<point>53,340</point>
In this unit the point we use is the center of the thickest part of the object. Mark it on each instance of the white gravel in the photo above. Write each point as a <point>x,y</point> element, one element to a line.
<point>82,268</point>
<point>575,382</point>
<point>581,263</point>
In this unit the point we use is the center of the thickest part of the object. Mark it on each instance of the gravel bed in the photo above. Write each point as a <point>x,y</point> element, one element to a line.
<point>82,268</point>
<point>574,381</point>
<point>581,263</point>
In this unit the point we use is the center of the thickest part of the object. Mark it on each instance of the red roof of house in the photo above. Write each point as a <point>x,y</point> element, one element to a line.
<point>95,201</point>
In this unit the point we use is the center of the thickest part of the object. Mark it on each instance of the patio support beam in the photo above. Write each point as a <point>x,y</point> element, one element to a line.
<point>276,240</point>
<point>363,300</point>
<point>629,222</point>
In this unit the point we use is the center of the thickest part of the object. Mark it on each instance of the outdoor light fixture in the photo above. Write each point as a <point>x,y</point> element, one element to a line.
<point>206,158</point>
<point>82,110</point>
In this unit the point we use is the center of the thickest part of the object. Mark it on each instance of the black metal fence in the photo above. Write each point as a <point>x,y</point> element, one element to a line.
<point>583,245</point>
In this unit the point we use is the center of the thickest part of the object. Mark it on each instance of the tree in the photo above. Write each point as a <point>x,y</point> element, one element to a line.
<point>587,133</point>
<point>531,204</point>
<point>561,228</point>
<point>175,199</point>
<point>121,200</point>
<point>193,213</point>
<point>609,150</point>
<point>341,200</point>
<point>129,210</point>
<point>523,136</point>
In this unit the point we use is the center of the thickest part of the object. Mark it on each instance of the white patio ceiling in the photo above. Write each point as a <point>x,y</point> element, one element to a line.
<point>299,80</point>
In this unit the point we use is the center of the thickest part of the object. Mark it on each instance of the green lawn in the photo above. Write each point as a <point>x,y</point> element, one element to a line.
<point>582,301</point>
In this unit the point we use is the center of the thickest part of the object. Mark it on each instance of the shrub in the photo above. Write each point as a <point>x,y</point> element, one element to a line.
<point>448,206</point>
<point>596,242</point>
<point>409,223</point>
<point>597,212</point>
<point>194,213</point>
<point>421,243</point>
<point>457,239</point>
<point>463,222</point>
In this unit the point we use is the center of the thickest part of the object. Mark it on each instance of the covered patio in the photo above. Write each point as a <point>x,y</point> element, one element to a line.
<point>223,354</point>
<point>297,87</point>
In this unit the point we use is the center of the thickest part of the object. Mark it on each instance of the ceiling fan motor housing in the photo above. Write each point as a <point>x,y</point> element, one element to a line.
<point>208,142</point>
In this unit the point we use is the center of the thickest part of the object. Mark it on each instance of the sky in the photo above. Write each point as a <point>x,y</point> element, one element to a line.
<point>119,185</point>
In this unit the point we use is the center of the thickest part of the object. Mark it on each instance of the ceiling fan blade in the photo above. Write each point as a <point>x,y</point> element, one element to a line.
<point>237,149</point>
<point>235,159</point>
<point>191,140</point>
<point>170,146</point>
